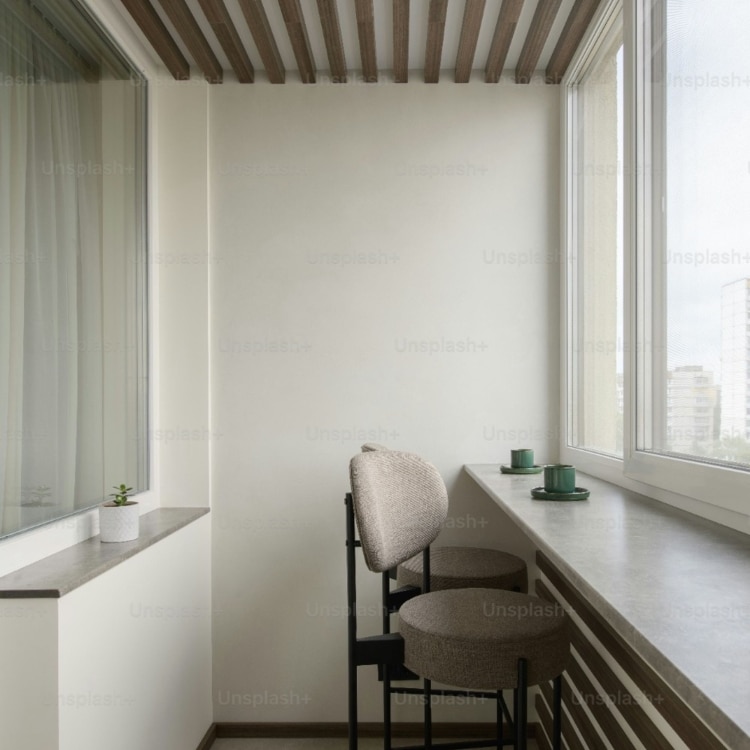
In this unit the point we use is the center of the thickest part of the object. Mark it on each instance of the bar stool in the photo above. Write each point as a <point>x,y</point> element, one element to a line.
<point>450,568</point>
<point>472,638</point>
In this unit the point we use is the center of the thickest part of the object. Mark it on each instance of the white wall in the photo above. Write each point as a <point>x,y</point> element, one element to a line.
<point>349,225</point>
<point>135,650</point>
<point>181,433</point>
<point>29,714</point>
<point>123,661</point>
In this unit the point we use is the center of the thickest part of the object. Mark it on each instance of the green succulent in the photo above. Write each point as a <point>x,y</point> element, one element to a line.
<point>122,495</point>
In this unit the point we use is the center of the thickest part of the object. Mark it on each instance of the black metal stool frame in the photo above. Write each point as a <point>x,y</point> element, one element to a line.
<point>387,652</point>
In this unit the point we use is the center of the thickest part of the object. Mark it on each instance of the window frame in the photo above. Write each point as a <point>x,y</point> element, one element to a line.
<point>599,464</point>
<point>589,58</point>
<point>712,491</point>
<point>74,524</point>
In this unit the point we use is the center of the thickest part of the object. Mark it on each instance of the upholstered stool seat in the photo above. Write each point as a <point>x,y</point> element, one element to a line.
<point>467,567</point>
<point>473,638</point>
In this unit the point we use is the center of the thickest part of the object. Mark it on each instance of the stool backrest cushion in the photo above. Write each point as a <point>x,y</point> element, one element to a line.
<point>400,504</point>
<point>367,447</point>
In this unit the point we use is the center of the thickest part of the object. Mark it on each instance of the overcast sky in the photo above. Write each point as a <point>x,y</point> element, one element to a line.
<point>708,197</point>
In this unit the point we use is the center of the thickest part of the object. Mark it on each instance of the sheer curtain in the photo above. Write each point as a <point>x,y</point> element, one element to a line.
<point>50,253</point>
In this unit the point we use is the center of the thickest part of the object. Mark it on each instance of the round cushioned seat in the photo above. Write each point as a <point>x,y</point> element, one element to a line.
<point>466,567</point>
<point>473,638</point>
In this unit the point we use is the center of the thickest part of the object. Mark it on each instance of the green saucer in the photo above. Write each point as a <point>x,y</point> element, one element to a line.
<point>580,493</point>
<point>520,470</point>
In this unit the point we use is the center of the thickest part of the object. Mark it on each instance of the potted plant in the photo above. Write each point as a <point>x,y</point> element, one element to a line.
<point>118,518</point>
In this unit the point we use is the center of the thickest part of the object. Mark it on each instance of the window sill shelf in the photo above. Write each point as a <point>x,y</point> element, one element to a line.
<point>673,586</point>
<point>65,571</point>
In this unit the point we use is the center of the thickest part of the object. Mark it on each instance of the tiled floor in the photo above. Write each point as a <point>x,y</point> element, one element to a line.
<point>327,744</point>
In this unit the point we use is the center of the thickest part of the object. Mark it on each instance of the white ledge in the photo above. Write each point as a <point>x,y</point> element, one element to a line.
<point>61,573</point>
<point>674,586</point>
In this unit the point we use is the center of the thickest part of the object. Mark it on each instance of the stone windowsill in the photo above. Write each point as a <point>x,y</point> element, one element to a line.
<point>674,586</point>
<point>61,573</point>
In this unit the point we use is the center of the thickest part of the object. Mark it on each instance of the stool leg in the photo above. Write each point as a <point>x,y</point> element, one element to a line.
<point>386,707</point>
<point>352,708</point>
<point>351,618</point>
<point>427,683</point>
<point>557,713</point>
<point>521,698</point>
<point>499,713</point>
<point>428,714</point>
<point>386,586</point>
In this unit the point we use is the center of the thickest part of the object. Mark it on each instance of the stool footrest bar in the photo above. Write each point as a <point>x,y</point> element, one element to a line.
<point>380,649</point>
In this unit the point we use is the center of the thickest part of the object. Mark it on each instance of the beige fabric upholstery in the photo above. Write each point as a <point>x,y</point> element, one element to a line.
<point>463,567</point>
<point>467,567</point>
<point>473,638</point>
<point>367,447</point>
<point>400,503</point>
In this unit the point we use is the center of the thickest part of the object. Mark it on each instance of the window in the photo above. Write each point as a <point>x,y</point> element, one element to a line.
<point>596,184</point>
<point>73,396</point>
<point>698,84</point>
<point>683,238</point>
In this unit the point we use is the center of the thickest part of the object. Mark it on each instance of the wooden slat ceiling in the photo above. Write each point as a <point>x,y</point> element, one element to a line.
<point>337,41</point>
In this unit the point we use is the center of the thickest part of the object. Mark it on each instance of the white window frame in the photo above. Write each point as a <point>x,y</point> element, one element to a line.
<point>717,492</point>
<point>602,29</point>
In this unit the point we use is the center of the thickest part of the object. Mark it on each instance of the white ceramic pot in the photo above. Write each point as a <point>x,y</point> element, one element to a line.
<point>118,523</point>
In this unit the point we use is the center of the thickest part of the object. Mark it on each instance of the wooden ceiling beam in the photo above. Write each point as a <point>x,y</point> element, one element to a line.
<point>329,20</point>
<point>221,22</point>
<point>257,21</point>
<point>507,21</point>
<point>401,41</point>
<point>187,27</point>
<point>154,29</point>
<point>575,27</point>
<point>467,44</point>
<point>435,36</point>
<point>541,25</point>
<point>366,30</point>
<point>295,25</point>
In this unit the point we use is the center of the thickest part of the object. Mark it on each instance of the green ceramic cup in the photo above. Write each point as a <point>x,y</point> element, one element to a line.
<point>522,458</point>
<point>560,478</point>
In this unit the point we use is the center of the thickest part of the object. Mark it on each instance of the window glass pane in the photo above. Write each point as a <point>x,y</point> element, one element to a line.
<point>596,396</point>
<point>701,228</point>
<point>72,271</point>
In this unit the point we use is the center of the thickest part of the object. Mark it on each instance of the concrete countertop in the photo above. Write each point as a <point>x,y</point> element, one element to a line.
<point>674,586</point>
<point>61,573</point>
